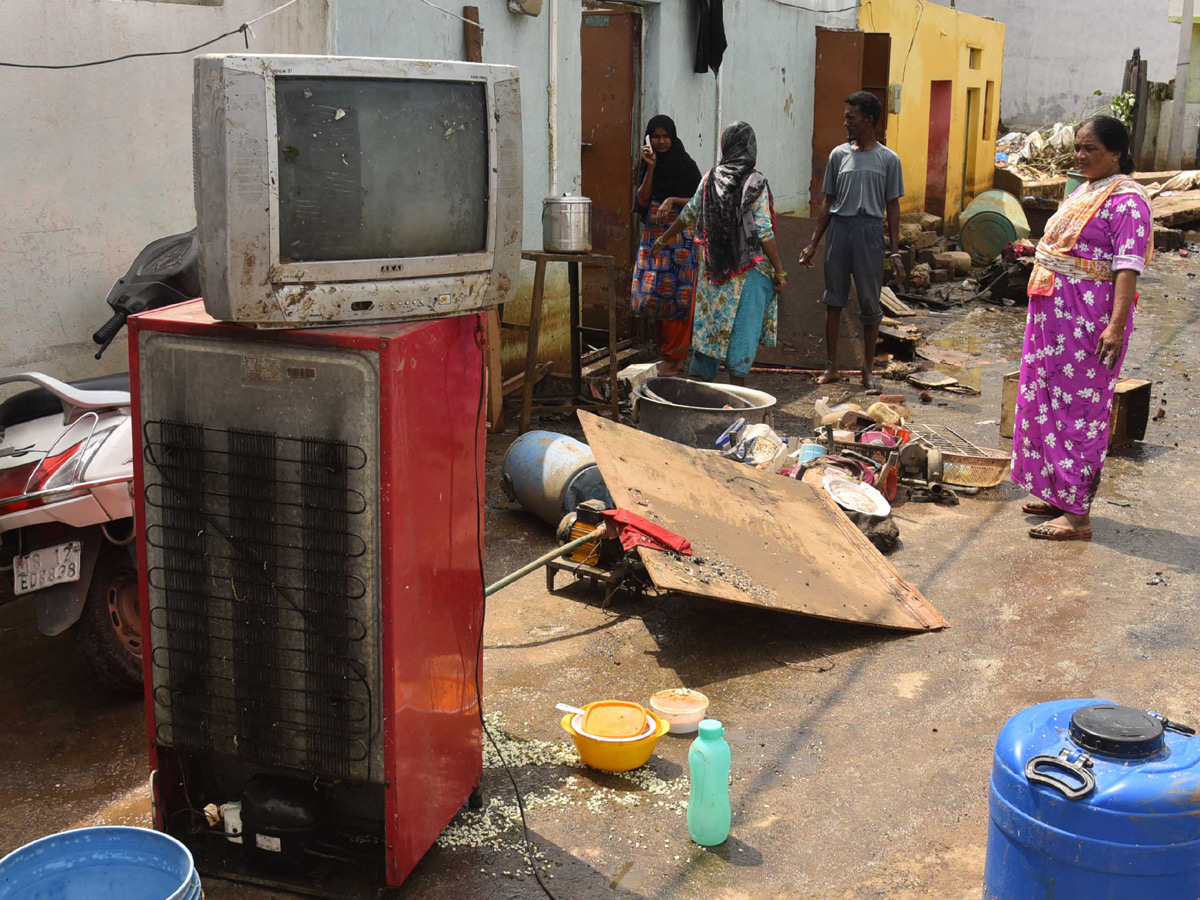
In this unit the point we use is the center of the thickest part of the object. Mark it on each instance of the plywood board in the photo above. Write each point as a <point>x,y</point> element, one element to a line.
<point>1177,209</point>
<point>758,539</point>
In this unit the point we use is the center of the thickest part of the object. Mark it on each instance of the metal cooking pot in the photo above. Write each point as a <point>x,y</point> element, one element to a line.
<point>695,413</point>
<point>567,224</point>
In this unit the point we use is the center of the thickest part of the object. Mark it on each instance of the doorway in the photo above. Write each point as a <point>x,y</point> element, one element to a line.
<point>970,150</point>
<point>876,71</point>
<point>938,155</point>
<point>610,46</point>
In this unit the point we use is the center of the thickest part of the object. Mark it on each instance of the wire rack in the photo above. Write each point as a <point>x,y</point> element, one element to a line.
<point>963,463</point>
<point>260,647</point>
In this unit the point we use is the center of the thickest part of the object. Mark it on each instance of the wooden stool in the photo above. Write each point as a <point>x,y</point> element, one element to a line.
<point>576,401</point>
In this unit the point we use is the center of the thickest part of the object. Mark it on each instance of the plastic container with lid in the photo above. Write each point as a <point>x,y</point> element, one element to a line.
<point>1093,800</point>
<point>682,708</point>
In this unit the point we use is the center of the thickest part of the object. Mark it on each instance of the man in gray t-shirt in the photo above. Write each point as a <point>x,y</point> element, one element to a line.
<point>863,183</point>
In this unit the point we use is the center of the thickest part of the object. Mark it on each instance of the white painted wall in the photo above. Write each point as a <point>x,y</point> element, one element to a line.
<point>98,161</point>
<point>1059,52</point>
<point>767,77</point>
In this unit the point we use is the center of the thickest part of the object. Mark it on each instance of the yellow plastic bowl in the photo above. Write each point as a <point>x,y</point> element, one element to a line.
<point>616,756</point>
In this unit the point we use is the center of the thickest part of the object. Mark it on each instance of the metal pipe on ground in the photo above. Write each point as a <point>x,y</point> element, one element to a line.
<point>565,550</point>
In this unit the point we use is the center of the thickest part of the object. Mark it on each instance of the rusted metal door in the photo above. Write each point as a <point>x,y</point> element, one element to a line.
<point>610,42</point>
<point>876,71</point>
<point>938,155</point>
<point>839,74</point>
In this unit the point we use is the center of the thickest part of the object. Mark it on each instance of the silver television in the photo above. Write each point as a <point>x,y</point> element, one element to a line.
<point>337,189</point>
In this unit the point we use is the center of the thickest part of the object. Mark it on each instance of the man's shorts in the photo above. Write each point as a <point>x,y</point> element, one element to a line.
<point>854,250</point>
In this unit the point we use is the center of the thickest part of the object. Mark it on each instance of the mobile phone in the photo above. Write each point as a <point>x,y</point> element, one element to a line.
<point>647,142</point>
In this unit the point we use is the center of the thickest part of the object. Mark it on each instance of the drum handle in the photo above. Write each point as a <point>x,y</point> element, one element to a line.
<point>1048,770</point>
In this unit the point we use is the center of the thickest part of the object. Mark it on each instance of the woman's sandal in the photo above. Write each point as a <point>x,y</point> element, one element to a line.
<point>1049,531</point>
<point>1041,508</point>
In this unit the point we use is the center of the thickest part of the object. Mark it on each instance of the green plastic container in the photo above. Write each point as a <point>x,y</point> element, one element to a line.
<point>709,814</point>
<point>1074,180</point>
<point>992,221</point>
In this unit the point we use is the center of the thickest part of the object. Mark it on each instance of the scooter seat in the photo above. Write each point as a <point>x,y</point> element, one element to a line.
<point>37,402</point>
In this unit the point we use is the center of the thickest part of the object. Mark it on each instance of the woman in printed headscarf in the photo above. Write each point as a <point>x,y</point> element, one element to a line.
<point>739,271</point>
<point>664,281</point>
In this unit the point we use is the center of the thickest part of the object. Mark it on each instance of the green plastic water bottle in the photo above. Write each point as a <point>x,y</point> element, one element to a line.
<point>709,814</point>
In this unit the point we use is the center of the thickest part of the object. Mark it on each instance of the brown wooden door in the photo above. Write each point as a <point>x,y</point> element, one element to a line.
<point>610,40</point>
<point>876,70</point>
<point>839,74</point>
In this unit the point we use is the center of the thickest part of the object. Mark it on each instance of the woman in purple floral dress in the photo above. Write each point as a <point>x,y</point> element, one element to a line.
<point>1081,299</point>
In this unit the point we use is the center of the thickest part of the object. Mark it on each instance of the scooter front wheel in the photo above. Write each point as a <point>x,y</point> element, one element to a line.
<point>109,630</point>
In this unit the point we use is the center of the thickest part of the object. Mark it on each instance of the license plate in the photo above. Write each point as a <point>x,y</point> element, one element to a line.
<point>46,567</point>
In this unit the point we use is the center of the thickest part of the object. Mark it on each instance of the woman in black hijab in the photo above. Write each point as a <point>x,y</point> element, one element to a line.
<point>736,305</point>
<point>664,281</point>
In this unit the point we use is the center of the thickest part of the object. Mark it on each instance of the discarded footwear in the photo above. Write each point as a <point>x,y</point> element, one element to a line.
<point>1041,508</point>
<point>1051,531</point>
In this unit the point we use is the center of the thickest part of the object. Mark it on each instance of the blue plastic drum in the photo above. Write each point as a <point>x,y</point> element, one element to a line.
<point>1093,801</point>
<point>108,863</point>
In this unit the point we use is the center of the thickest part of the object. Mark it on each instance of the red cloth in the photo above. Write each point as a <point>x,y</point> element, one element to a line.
<point>634,531</point>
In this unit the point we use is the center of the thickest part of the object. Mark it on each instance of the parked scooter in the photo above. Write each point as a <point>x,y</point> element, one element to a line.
<point>66,483</point>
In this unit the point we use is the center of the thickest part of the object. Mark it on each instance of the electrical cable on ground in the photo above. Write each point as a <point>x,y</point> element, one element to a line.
<point>529,855</point>
<point>243,30</point>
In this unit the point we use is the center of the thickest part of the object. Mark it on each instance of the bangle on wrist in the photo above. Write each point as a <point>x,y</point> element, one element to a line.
<point>779,273</point>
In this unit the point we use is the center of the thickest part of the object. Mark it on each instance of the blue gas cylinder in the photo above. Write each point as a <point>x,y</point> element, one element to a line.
<point>1093,801</point>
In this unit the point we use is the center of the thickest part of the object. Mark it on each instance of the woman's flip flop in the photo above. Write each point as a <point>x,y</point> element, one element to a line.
<point>1037,508</point>
<point>1048,531</point>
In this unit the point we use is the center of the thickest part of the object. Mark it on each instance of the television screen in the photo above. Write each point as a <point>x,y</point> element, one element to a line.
<point>380,168</point>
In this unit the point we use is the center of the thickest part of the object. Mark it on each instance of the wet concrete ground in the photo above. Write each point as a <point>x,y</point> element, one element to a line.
<point>860,756</point>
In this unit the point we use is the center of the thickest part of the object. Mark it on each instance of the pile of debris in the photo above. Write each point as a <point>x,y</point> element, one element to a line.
<point>1039,154</point>
<point>1176,205</point>
<point>1006,281</point>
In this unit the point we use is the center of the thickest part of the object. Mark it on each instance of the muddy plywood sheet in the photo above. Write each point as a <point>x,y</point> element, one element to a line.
<point>1177,208</point>
<point>758,539</point>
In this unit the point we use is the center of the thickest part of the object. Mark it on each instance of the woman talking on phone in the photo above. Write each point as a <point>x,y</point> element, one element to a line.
<point>664,281</point>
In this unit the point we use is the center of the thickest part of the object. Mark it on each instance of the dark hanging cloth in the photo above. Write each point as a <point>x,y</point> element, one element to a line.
<point>725,225</point>
<point>710,41</point>
<point>675,175</point>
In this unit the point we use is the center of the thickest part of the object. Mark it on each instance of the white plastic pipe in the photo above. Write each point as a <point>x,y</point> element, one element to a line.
<point>1187,25</point>
<point>552,98</point>
<point>717,141</point>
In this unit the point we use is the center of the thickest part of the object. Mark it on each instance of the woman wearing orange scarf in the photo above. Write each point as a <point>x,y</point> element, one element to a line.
<point>1081,299</point>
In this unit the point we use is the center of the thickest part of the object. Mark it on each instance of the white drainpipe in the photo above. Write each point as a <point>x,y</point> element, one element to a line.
<point>1187,25</point>
<point>717,142</point>
<point>552,98</point>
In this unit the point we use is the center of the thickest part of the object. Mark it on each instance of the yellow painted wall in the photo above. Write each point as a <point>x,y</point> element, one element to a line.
<point>940,39</point>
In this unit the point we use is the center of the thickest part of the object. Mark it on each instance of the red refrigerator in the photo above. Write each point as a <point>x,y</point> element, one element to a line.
<point>310,531</point>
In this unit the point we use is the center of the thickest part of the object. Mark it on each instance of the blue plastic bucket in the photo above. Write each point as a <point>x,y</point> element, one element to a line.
<point>1093,801</point>
<point>108,863</point>
<point>809,452</point>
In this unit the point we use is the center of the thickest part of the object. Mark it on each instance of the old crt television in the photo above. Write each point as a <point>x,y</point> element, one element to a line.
<point>343,189</point>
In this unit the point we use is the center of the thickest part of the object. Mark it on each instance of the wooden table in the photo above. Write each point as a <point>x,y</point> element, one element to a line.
<point>576,401</point>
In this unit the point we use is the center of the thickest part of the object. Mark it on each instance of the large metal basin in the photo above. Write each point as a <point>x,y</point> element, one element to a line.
<point>693,412</point>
